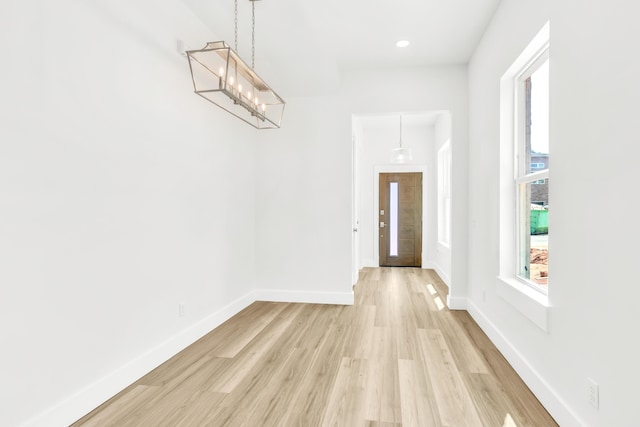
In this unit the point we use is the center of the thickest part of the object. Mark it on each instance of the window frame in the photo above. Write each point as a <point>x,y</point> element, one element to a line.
<point>528,300</point>
<point>523,168</point>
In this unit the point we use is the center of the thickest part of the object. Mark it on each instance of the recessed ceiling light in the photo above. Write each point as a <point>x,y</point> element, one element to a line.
<point>402,43</point>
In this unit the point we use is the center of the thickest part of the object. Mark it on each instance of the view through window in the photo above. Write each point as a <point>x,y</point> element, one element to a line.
<point>532,179</point>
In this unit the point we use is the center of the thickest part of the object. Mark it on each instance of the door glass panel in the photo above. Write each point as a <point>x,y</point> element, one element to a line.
<point>393,219</point>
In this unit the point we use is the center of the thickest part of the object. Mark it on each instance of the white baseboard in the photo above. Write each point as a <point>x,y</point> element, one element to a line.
<point>308,297</point>
<point>371,263</point>
<point>456,303</point>
<point>92,396</point>
<point>445,277</point>
<point>538,385</point>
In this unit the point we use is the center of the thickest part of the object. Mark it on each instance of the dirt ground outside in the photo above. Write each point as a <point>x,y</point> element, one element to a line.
<point>539,259</point>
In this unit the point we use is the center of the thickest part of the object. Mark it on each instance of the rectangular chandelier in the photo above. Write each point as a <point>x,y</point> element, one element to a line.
<point>220,76</point>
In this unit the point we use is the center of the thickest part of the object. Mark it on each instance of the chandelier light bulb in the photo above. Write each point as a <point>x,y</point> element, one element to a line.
<point>221,71</point>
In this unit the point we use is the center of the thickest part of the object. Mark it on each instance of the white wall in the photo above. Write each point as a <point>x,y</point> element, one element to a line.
<point>121,194</point>
<point>592,292</point>
<point>381,134</point>
<point>304,205</point>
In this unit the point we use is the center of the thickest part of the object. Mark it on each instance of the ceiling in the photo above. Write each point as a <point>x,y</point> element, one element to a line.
<point>302,46</point>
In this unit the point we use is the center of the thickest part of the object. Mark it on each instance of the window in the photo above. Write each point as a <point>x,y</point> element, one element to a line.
<point>532,178</point>
<point>524,182</point>
<point>444,194</point>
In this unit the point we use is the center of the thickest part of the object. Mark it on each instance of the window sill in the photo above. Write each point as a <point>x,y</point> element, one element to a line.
<point>532,304</point>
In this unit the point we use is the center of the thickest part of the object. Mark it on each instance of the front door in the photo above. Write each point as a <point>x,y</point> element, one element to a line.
<point>400,219</point>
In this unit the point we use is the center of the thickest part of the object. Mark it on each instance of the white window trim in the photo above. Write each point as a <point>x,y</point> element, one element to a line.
<point>532,303</point>
<point>533,176</point>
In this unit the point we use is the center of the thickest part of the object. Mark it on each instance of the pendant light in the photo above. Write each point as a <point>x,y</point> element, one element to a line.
<point>220,76</point>
<point>401,154</point>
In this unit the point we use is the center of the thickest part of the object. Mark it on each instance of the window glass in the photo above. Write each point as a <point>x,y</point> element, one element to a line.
<point>533,233</point>
<point>393,219</point>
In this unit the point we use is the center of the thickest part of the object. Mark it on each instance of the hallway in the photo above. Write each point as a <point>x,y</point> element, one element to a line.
<point>398,357</point>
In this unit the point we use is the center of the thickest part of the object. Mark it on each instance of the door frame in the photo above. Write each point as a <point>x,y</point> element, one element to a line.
<point>355,210</point>
<point>377,170</point>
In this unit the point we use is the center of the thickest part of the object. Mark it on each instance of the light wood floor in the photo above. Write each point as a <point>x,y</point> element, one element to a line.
<point>397,357</point>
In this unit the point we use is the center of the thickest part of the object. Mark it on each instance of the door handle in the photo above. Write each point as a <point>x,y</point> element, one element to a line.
<point>382,224</point>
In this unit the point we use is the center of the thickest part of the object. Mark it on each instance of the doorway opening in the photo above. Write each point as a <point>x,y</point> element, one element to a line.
<point>374,136</point>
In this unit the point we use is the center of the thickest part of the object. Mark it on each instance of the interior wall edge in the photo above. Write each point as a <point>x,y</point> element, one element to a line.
<point>540,387</point>
<point>456,303</point>
<point>442,273</point>
<point>369,262</point>
<point>78,405</point>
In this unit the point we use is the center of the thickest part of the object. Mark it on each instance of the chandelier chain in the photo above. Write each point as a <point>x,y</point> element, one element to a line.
<point>236,24</point>
<point>253,34</point>
<point>401,131</point>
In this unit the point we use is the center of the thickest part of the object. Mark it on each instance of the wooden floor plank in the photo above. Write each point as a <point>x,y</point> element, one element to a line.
<point>231,337</point>
<point>308,404</point>
<point>346,405</point>
<point>254,352</point>
<point>416,407</point>
<point>454,402</point>
<point>467,356</point>
<point>128,402</point>
<point>397,357</point>
<point>492,403</point>
<point>383,389</point>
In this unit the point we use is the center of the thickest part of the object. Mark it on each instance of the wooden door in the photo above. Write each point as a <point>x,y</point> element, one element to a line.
<point>400,219</point>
